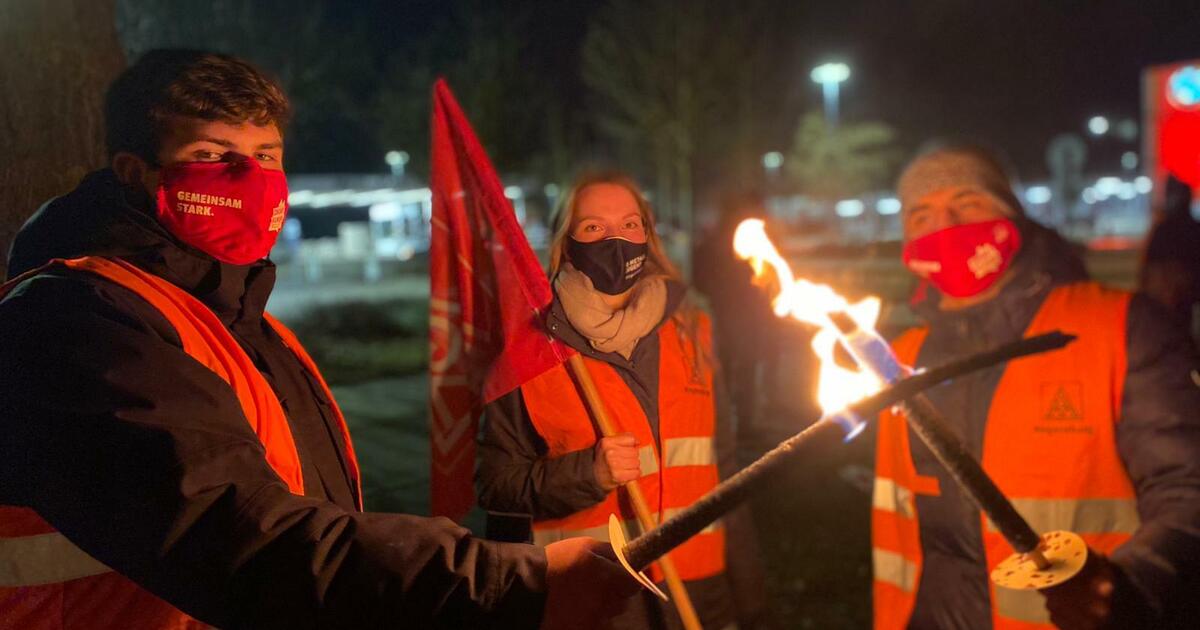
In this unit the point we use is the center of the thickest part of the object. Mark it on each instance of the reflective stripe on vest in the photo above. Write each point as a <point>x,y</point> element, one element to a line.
<point>890,496</point>
<point>676,471</point>
<point>690,451</point>
<point>44,559</point>
<point>543,537</point>
<point>894,569</point>
<point>1082,516</point>
<point>1060,406</point>
<point>34,557</point>
<point>648,460</point>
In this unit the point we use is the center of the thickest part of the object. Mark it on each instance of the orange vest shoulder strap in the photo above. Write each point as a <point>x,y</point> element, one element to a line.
<point>206,340</point>
<point>293,343</point>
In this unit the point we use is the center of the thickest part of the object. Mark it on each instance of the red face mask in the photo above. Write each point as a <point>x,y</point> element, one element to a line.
<point>232,211</point>
<point>963,260</point>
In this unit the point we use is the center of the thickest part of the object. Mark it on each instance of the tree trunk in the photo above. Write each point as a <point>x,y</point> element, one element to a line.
<point>61,56</point>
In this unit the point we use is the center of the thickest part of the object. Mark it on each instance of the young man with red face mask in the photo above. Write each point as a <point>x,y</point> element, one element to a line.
<point>171,457</point>
<point>1101,438</point>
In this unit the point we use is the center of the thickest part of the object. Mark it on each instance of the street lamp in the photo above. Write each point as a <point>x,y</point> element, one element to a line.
<point>1098,125</point>
<point>772,161</point>
<point>829,75</point>
<point>396,160</point>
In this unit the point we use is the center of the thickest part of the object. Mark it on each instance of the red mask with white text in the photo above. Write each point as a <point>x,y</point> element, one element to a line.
<point>964,260</point>
<point>231,210</point>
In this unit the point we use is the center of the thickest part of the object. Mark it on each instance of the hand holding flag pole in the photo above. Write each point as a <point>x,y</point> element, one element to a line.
<point>645,518</point>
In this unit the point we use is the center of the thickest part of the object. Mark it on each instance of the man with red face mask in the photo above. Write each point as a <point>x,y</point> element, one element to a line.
<point>1101,438</point>
<point>170,455</point>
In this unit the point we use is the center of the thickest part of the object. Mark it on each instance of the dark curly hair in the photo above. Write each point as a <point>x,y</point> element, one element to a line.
<point>164,84</point>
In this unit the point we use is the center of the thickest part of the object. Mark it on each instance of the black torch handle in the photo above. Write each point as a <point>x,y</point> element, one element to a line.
<point>927,422</point>
<point>651,545</point>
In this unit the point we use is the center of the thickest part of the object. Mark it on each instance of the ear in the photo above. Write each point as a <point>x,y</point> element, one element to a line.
<point>130,169</point>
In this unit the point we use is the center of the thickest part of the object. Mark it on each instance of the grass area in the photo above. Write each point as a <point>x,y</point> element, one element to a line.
<point>356,342</point>
<point>391,439</point>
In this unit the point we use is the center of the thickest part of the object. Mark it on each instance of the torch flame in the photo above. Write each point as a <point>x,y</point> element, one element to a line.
<point>812,303</point>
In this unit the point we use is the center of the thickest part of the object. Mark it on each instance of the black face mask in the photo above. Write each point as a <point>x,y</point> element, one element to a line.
<point>613,264</point>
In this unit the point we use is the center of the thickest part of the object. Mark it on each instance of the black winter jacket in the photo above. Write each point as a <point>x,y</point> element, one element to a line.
<point>1158,438</point>
<point>142,457</point>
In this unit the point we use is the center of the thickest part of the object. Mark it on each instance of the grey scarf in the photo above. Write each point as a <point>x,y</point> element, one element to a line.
<point>606,329</point>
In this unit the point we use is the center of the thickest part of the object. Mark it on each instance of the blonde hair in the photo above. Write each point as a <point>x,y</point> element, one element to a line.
<point>657,263</point>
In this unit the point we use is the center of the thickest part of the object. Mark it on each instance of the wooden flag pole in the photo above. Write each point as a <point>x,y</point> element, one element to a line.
<point>595,403</point>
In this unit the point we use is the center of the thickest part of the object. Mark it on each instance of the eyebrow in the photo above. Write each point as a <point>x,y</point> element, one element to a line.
<point>218,141</point>
<point>229,144</point>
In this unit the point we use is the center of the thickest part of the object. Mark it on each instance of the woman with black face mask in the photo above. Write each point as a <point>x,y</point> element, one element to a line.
<point>544,472</point>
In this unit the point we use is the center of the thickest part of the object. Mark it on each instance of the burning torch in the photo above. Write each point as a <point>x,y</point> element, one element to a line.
<point>1040,561</point>
<point>851,396</point>
<point>840,426</point>
<point>846,397</point>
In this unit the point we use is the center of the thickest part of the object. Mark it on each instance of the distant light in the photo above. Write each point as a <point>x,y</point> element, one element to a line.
<point>513,192</point>
<point>1183,87</point>
<point>1107,186</point>
<point>550,190</point>
<point>384,212</point>
<point>1143,184</point>
<point>1127,130</point>
<point>1098,125</point>
<point>830,73</point>
<point>335,198</point>
<point>1037,194</point>
<point>772,160</point>
<point>1089,195</point>
<point>887,205</point>
<point>299,197</point>
<point>849,208</point>
<point>1129,160</point>
<point>396,158</point>
<point>1127,191</point>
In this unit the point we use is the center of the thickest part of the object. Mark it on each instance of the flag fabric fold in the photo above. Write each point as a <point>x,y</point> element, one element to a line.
<point>487,296</point>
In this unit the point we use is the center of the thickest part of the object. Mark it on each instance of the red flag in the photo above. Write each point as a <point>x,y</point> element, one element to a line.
<point>487,294</point>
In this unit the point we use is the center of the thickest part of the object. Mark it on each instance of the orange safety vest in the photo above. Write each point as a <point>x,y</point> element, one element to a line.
<point>1049,444</point>
<point>685,447</point>
<point>46,582</point>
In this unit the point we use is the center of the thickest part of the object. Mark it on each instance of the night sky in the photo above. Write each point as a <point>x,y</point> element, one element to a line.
<point>1011,73</point>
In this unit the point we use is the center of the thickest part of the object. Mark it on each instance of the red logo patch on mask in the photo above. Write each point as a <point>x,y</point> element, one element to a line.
<point>232,211</point>
<point>964,260</point>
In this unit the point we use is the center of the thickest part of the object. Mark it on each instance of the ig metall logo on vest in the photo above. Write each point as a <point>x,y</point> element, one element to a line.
<point>1060,408</point>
